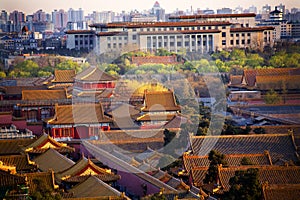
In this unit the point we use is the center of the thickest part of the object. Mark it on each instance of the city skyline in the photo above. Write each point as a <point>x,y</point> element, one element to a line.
<point>117,5</point>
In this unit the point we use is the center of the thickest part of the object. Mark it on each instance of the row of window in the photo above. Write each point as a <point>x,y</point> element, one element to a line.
<point>177,28</point>
<point>237,42</point>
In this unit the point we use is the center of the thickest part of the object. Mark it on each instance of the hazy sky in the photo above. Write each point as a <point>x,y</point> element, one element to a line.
<point>30,6</point>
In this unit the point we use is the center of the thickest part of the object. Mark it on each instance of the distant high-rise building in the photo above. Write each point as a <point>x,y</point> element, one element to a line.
<point>238,10</point>
<point>75,15</point>
<point>281,8</point>
<point>17,17</point>
<point>158,12</point>
<point>224,11</point>
<point>59,19</point>
<point>3,17</point>
<point>252,9</point>
<point>39,16</point>
<point>17,20</point>
<point>266,9</point>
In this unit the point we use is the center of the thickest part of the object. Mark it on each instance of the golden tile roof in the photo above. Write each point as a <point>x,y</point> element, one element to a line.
<point>82,167</point>
<point>64,76</point>
<point>78,114</point>
<point>159,101</point>
<point>94,187</point>
<point>44,94</point>
<point>21,162</point>
<point>94,74</point>
<point>58,162</point>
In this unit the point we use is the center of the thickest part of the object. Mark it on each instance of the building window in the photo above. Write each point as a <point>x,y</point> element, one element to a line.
<point>243,34</point>
<point>114,38</point>
<point>179,28</point>
<point>148,29</point>
<point>186,44</point>
<point>133,37</point>
<point>204,28</point>
<point>237,42</point>
<point>120,45</point>
<point>231,42</point>
<point>134,29</point>
<point>248,41</point>
<point>120,38</point>
<point>237,35</point>
<point>209,27</point>
<point>223,42</point>
<point>223,27</point>
<point>249,34</point>
<point>247,25</point>
<point>243,41</point>
<point>179,44</point>
<point>141,29</point>
<point>223,34</point>
<point>108,46</point>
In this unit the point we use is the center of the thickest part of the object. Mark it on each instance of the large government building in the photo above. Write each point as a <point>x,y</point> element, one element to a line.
<point>194,33</point>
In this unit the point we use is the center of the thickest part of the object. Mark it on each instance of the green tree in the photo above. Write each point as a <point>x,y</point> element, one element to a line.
<point>2,75</point>
<point>69,64</point>
<point>244,185</point>
<point>246,161</point>
<point>27,68</point>
<point>215,159</point>
<point>272,97</point>
<point>43,191</point>
<point>259,130</point>
<point>168,136</point>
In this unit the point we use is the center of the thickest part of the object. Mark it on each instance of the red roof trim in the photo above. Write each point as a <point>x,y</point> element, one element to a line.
<point>213,16</point>
<point>157,24</point>
<point>253,29</point>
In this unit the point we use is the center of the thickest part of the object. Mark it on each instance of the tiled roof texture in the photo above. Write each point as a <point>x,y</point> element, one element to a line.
<point>279,192</point>
<point>64,76</point>
<point>270,174</point>
<point>127,135</point>
<point>21,162</point>
<point>250,74</point>
<point>161,117</point>
<point>280,146</point>
<point>160,101</point>
<point>14,147</point>
<point>78,168</point>
<point>103,177</point>
<point>58,162</point>
<point>236,79</point>
<point>93,187</point>
<point>278,82</point>
<point>79,113</point>
<point>17,90</point>
<point>44,94</point>
<point>44,139</point>
<point>191,161</point>
<point>10,180</point>
<point>46,177</point>
<point>94,74</point>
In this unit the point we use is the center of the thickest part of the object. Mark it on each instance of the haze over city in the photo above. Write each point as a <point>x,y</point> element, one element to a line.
<point>118,5</point>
